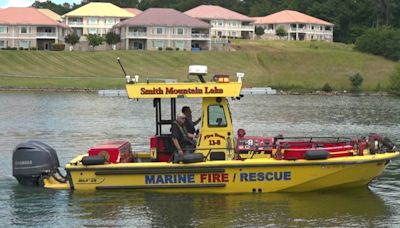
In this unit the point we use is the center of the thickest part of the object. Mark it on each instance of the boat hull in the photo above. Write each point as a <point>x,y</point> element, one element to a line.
<point>252,175</point>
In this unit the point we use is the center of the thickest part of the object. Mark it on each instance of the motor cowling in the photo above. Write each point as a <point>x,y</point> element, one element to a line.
<point>33,160</point>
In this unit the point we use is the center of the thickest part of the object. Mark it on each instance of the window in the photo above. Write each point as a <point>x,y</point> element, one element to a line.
<point>77,31</point>
<point>220,23</point>
<point>110,21</point>
<point>25,30</point>
<point>233,34</point>
<point>158,44</point>
<point>3,29</point>
<point>2,44</point>
<point>233,24</point>
<point>159,31</point>
<point>24,44</point>
<point>180,44</point>
<point>92,20</point>
<point>327,28</point>
<point>92,31</point>
<point>179,31</point>
<point>216,116</point>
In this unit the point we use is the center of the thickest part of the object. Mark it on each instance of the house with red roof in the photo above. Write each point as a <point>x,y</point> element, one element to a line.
<point>28,28</point>
<point>225,23</point>
<point>162,28</point>
<point>299,26</point>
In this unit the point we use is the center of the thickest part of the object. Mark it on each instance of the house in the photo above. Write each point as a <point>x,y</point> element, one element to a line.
<point>299,26</point>
<point>161,28</point>
<point>29,28</point>
<point>225,22</point>
<point>95,18</point>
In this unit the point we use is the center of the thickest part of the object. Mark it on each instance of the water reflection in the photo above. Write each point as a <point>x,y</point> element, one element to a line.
<point>159,209</point>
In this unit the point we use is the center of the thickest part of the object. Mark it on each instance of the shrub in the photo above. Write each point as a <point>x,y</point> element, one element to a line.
<point>33,48</point>
<point>160,48</point>
<point>383,41</point>
<point>356,81</point>
<point>177,49</point>
<point>327,88</point>
<point>21,48</point>
<point>72,39</point>
<point>281,32</point>
<point>169,49</point>
<point>394,81</point>
<point>112,38</point>
<point>58,47</point>
<point>378,87</point>
<point>94,40</point>
<point>259,31</point>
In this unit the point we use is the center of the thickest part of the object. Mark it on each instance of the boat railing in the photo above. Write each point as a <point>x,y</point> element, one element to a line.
<point>312,142</point>
<point>311,139</point>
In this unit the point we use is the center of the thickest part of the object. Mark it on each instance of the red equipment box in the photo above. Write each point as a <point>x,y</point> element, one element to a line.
<point>113,151</point>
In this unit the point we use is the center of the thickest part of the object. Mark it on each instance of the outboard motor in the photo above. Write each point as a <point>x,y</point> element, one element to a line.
<point>33,160</point>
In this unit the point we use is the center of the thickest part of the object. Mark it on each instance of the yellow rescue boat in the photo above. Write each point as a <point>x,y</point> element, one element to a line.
<point>221,162</point>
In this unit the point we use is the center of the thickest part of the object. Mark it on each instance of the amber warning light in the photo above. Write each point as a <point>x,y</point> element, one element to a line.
<point>221,78</point>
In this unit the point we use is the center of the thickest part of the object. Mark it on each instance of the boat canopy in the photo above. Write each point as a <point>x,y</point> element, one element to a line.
<point>183,90</point>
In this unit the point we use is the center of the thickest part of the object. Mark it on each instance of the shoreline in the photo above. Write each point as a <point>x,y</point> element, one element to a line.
<point>281,92</point>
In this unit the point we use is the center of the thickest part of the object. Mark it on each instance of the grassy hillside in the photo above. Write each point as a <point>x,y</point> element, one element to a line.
<point>287,65</point>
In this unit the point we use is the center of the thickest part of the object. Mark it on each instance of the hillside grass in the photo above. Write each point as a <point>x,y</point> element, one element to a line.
<point>302,66</point>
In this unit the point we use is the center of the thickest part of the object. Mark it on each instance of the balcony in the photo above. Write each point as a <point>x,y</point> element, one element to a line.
<point>75,22</point>
<point>137,34</point>
<point>247,27</point>
<point>200,36</point>
<point>46,34</point>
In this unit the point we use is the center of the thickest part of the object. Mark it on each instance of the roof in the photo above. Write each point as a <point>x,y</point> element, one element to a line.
<point>164,17</point>
<point>99,9</point>
<point>134,11</point>
<point>50,14</point>
<point>289,16</point>
<point>26,16</point>
<point>216,12</point>
<point>183,89</point>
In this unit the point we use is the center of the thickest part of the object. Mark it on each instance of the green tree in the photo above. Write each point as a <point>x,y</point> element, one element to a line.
<point>281,32</point>
<point>94,40</point>
<point>383,41</point>
<point>356,82</point>
<point>259,31</point>
<point>72,39</point>
<point>59,9</point>
<point>112,38</point>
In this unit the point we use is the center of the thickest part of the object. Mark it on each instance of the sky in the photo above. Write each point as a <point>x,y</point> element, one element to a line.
<point>25,3</point>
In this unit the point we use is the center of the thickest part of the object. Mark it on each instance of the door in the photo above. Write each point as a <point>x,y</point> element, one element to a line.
<point>216,133</point>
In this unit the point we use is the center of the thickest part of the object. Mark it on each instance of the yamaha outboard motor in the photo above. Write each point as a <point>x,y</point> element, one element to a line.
<point>33,160</point>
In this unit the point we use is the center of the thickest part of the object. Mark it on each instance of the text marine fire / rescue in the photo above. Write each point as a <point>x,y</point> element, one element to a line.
<point>217,177</point>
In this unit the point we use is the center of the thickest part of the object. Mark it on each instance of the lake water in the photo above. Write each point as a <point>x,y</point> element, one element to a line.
<point>73,122</point>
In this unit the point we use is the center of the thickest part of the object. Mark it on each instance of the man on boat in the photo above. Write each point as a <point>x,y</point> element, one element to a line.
<point>182,139</point>
<point>189,124</point>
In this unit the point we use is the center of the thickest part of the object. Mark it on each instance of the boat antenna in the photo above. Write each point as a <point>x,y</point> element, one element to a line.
<point>122,67</point>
